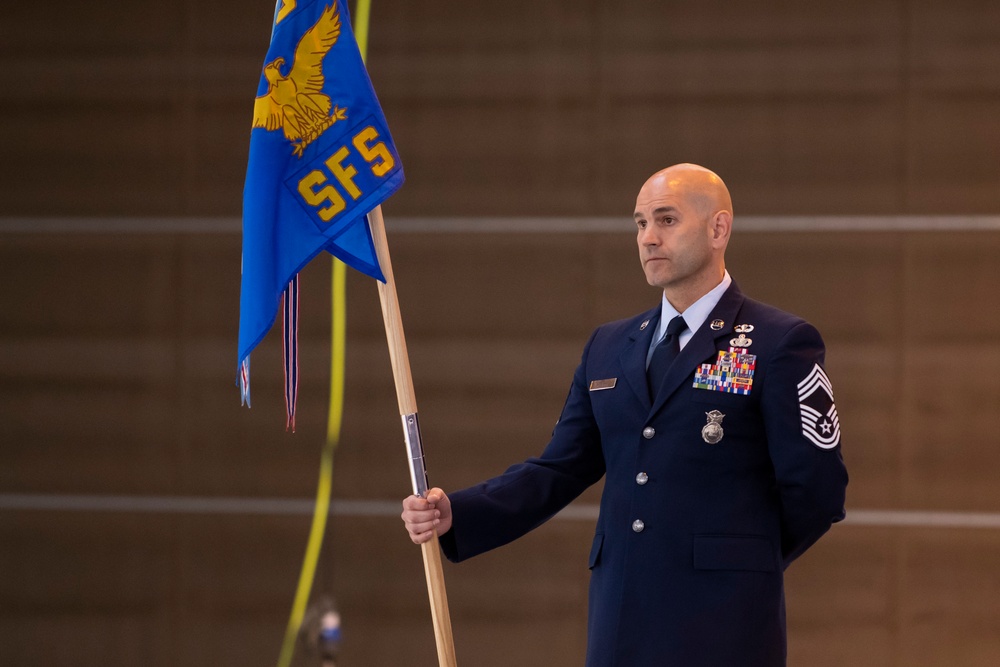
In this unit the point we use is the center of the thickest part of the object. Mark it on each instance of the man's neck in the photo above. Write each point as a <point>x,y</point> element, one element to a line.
<point>682,296</point>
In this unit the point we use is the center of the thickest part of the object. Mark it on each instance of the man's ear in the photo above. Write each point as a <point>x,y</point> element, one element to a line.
<point>722,227</point>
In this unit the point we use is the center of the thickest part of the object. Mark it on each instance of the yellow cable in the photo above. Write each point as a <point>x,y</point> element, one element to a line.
<point>338,296</point>
<point>361,16</point>
<point>338,308</point>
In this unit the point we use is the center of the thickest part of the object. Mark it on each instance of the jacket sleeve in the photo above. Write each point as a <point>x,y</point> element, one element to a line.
<point>803,436</point>
<point>500,510</point>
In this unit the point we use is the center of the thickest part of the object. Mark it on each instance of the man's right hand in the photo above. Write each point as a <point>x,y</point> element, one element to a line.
<point>425,516</point>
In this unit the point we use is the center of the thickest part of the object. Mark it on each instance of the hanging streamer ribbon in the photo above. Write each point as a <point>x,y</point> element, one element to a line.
<point>291,350</point>
<point>244,381</point>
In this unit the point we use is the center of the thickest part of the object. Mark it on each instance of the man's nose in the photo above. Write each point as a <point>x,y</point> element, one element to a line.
<point>648,237</point>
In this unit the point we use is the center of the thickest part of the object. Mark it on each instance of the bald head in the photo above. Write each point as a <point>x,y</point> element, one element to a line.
<point>700,186</point>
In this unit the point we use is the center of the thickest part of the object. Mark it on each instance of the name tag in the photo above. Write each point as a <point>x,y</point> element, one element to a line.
<point>598,385</point>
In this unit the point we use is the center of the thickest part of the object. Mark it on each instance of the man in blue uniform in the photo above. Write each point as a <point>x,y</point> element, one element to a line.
<point>714,422</point>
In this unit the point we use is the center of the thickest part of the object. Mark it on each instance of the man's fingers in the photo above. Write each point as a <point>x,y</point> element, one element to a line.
<point>419,516</point>
<point>422,530</point>
<point>422,537</point>
<point>416,503</point>
<point>423,518</point>
<point>416,527</point>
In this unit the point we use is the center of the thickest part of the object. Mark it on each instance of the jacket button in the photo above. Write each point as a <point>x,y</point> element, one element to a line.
<point>638,526</point>
<point>648,432</point>
<point>641,478</point>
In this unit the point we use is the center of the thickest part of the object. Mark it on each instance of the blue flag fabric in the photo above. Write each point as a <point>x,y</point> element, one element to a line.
<point>321,158</point>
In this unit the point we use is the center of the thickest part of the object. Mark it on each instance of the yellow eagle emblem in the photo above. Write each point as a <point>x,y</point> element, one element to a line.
<point>295,103</point>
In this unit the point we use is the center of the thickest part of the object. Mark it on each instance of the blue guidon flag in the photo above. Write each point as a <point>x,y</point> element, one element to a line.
<point>321,158</point>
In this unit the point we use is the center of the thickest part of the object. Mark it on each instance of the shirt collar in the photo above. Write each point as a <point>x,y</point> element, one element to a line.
<point>695,315</point>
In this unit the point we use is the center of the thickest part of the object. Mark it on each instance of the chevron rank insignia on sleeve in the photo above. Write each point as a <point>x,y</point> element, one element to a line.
<point>820,424</point>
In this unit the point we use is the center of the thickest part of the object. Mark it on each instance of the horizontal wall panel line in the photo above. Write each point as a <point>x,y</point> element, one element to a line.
<point>539,225</point>
<point>392,508</point>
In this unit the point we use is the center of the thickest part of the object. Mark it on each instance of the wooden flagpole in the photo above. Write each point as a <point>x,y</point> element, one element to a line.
<point>408,412</point>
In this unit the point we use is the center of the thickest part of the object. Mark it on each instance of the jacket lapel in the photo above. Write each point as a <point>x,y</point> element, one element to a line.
<point>633,357</point>
<point>702,345</point>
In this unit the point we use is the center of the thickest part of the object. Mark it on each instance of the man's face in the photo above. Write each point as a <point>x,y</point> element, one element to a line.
<point>673,233</point>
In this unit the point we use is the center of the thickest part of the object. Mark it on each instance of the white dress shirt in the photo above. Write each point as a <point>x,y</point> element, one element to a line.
<point>694,316</point>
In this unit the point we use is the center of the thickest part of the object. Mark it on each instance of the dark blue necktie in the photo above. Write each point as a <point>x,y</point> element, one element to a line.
<point>663,355</point>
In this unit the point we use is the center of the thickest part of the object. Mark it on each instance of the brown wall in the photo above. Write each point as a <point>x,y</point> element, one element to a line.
<point>524,108</point>
<point>117,351</point>
<point>117,368</point>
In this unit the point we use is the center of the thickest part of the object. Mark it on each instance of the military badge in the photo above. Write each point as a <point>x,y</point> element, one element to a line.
<point>712,431</point>
<point>743,328</point>
<point>741,341</point>
<point>732,373</point>
<point>643,325</point>
<point>717,325</point>
<point>820,423</point>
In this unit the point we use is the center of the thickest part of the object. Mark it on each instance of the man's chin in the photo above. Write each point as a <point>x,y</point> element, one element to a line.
<point>656,278</point>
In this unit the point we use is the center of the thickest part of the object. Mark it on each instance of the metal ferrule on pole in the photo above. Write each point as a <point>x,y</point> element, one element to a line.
<point>415,448</point>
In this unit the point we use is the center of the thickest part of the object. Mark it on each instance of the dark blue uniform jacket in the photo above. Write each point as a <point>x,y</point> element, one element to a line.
<point>692,537</point>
